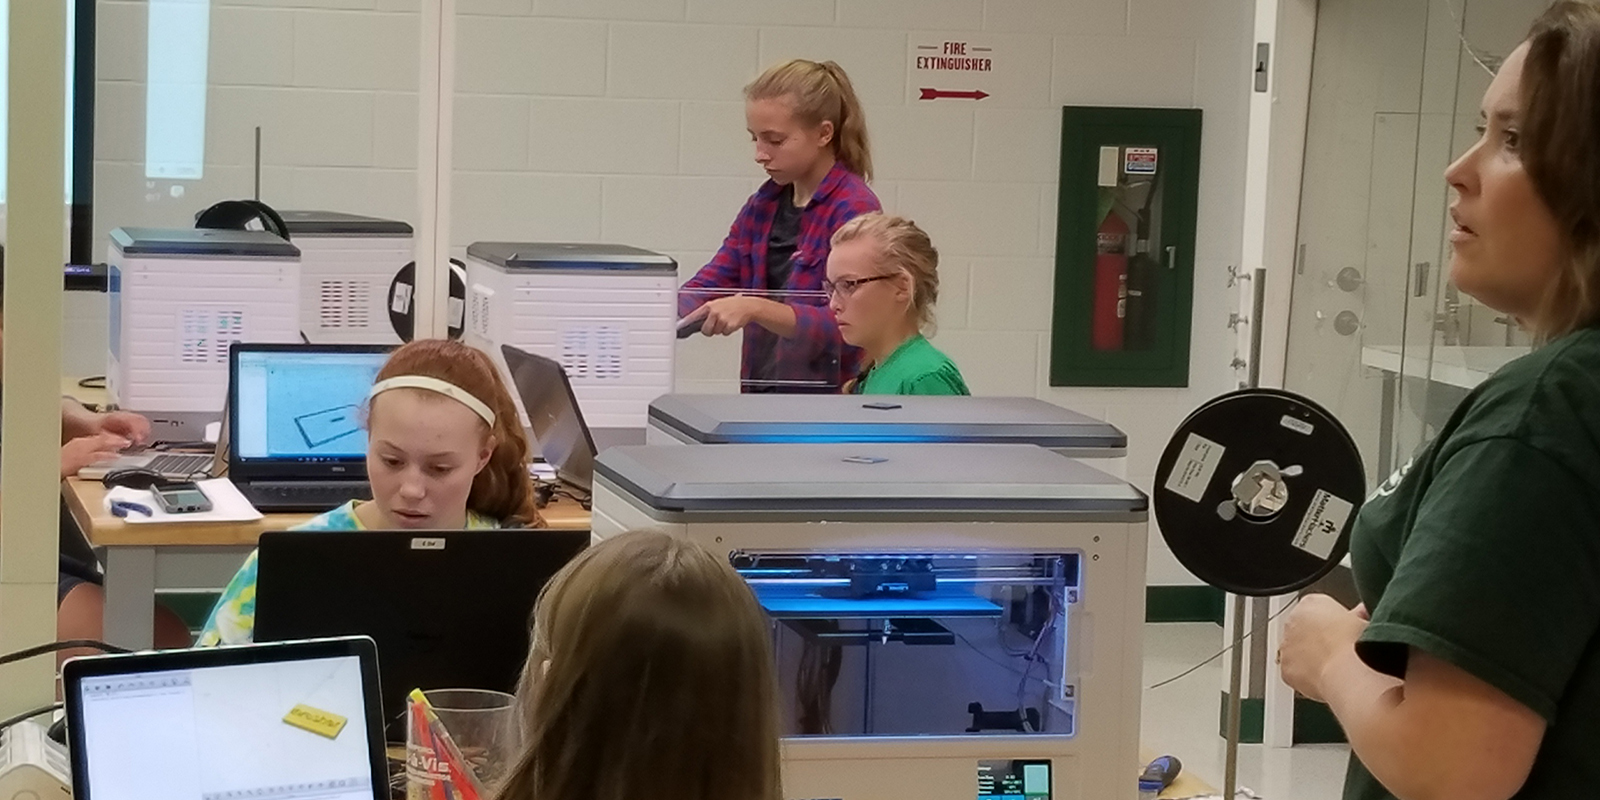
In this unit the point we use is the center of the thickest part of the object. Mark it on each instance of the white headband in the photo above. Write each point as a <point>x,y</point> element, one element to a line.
<point>445,388</point>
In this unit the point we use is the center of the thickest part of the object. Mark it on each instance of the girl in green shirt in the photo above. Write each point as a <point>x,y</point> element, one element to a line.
<point>883,281</point>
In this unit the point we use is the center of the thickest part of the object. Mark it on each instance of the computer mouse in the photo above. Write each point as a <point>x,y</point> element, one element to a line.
<point>133,478</point>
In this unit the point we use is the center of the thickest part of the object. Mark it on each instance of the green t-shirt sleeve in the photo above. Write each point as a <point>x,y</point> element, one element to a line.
<point>1500,575</point>
<point>943,381</point>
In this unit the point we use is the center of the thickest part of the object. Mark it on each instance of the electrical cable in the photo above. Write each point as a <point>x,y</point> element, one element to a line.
<point>70,644</point>
<point>27,715</point>
<point>997,662</point>
<point>1224,651</point>
<point>51,647</point>
<point>1461,33</point>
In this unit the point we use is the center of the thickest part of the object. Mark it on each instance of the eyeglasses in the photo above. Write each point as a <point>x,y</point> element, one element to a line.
<point>846,287</point>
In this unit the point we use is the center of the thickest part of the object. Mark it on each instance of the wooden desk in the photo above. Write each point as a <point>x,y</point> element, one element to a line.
<point>188,555</point>
<point>70,388</point>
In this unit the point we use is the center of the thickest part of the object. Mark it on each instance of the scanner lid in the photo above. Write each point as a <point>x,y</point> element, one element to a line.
<point>976,481</point>
<point>780,418</point>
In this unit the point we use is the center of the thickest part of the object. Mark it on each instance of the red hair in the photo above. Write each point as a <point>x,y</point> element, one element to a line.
<point>503,490</point>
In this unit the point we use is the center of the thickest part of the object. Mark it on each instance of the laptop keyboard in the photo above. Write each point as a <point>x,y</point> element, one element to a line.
<point>182,464</point>
<point>303,497</point>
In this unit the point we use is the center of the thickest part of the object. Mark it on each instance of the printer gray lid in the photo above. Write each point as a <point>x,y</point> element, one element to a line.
<point>773,418</point>
<point>976,480</point>
<point>201,242</point>
<point>570,257</point>
<point>338,223</point>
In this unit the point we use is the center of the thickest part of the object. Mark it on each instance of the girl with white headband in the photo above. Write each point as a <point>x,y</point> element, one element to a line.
<point>445,450</point>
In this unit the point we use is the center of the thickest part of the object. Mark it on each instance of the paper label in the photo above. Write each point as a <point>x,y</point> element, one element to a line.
<point>1192,472</point>
<point>1320,529</point>
<point>458,310</point>
<point>1141,160</point>
<point>402,299</point>
<point>1297,425</point>
<point>315,720</point>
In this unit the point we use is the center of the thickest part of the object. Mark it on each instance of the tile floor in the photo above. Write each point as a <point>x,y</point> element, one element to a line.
<point>1181,719</point>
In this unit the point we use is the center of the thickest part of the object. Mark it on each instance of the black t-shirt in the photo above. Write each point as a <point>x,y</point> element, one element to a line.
<point>782,239</point>
<point>1484,552</point>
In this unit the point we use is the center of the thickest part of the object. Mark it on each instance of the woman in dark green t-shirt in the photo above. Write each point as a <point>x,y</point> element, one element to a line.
<point>883,281</point>
<point>1476,673</point>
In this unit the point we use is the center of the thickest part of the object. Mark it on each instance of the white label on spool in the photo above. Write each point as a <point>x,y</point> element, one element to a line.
<point>1192,472</point>
<point>458,310</point>
<point>1297,425</point>
<point>402,299</point>
<point>1319,531</point>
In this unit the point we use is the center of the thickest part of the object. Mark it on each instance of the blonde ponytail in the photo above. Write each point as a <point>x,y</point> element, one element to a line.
<point>822,92</point>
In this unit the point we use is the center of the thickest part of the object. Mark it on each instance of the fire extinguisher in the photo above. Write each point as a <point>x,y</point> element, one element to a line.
<point>1110,283</point>
<point>1143,273</point>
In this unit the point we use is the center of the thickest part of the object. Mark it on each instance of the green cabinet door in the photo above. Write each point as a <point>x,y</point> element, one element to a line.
<point>1125,238</point>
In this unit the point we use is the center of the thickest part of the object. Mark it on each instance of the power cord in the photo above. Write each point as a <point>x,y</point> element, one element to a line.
<point>1224,651</point>
<point>546,491</point>
<point>51,647</point>
<point>27,715</point>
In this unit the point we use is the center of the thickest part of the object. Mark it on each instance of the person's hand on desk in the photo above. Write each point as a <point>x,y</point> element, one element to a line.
<point>729,315</point>
<point>86,450</point>
<point>78,422</point>
<point>128,425</point>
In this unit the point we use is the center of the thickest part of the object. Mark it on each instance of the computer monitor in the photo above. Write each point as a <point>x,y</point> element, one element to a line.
<point>448,609</point>
<point>283,721</point>
<point>294,410</point>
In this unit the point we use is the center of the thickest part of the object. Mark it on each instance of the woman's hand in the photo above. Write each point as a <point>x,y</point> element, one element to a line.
<point>86,450</point>
<point>128,425</point>
<point>729,315</point>
<point>1319,629</point>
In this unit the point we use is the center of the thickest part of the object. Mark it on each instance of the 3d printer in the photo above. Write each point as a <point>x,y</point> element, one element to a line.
<point>949,621</point>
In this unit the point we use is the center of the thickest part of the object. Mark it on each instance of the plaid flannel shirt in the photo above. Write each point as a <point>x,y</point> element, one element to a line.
<point>816,355</point>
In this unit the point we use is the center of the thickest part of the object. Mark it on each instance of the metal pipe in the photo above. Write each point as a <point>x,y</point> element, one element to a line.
<point>1230,779</point>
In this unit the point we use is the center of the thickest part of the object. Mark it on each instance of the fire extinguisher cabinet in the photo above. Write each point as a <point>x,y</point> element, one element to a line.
<point>1124,288</point>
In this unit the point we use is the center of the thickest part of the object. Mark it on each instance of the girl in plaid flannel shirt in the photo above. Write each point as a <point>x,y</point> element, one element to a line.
<point>811,138</point>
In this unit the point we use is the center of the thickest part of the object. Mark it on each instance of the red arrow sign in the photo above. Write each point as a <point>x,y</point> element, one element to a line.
<point>935,94</point>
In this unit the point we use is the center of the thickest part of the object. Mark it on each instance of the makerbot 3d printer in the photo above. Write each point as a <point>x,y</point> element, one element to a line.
<point>950,621</point>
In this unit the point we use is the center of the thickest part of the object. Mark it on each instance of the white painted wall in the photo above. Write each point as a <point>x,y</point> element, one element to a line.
<point>621,120</point>
<point>1393,100</point>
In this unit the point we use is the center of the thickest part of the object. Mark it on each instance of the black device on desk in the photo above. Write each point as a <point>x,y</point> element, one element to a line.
<point>283,721</point>
<point>448,609</point>
<point>296,438</point>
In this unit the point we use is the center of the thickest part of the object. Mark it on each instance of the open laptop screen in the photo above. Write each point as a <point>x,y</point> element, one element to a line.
<point>280,721</point>
<point>557,424</point>
<point>302,403</point>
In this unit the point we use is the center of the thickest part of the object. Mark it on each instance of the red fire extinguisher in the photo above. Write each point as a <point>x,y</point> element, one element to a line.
<point>1110,283</point>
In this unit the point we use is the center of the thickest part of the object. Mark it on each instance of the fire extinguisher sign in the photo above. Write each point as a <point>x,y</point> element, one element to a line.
<point>1140,160</point>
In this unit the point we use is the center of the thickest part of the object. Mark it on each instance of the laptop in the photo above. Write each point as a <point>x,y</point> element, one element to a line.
<point>282,721</point>
<point>296,438</point>
<point>172,466</point>
<point>448,609</point>
<point>553,414</point>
